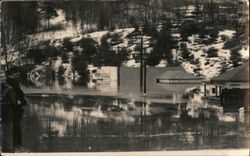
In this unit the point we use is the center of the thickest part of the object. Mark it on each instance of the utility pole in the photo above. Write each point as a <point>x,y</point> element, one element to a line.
<point>118,70</point>
<point>145,73</point>
<point>141,65</point>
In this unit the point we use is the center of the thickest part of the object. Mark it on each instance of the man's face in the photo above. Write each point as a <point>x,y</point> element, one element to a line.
<point>16,77</point>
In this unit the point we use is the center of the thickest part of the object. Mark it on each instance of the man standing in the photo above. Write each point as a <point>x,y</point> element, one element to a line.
<point>8,100</point>
<point>16,100</point>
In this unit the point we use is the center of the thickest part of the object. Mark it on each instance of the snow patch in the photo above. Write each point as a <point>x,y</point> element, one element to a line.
<point>227,32</point>
<point>209,66</point>
<point>163,63</point>
<point>245,51</point>
<point>59,19</point>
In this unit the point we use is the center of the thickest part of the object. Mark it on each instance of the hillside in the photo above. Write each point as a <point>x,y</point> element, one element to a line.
<point>202,64</point>
<point>64,45</point>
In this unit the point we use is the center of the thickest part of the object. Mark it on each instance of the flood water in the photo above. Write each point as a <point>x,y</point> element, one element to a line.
<point>93,119</point>
<point>61,123</point>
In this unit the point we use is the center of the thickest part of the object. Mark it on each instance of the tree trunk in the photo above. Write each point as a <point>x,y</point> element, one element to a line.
<point>48,24</point>
<point>212,12</point>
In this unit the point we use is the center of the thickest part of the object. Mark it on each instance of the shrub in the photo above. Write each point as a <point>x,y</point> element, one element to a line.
<point>212,52</point>
<point>67,44</point>
<point>195,61</point>
<point>207,41</point>
<point>202,34</point>
<point>185,53</point>
<point>235,58</point>
<point>130,42</point>
<point>214,34</point>
<point>153,60</point>
<point>115,39</point>
<point>224,38</point>
<point>65,57</point>
<point>51,51</point>
<point>223,67</point>
<point>206,63</point>
<point>196,70</point>
<point>112,27</point>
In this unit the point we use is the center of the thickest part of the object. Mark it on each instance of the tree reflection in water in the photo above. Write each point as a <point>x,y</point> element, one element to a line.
<point>100,123</point>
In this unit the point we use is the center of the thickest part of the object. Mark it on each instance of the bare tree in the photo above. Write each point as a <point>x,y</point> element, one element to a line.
<point>15,26</point>
<point>9,42</point>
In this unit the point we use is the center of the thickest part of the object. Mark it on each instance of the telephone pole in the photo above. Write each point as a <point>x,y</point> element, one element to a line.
<point>118,70</point>
<point>141,65</point>
<point>145,73</point>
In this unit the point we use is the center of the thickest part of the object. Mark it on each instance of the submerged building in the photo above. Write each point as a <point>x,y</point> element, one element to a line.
<point>177,75</point>
<point>177,80</point>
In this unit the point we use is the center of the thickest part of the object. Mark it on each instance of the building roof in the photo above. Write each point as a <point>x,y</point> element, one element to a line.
<point>176,88</point>
<point>178,73</point>
<point>238,74</point>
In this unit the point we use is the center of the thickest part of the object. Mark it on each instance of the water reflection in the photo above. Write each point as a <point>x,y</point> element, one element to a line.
<point>100,123</point>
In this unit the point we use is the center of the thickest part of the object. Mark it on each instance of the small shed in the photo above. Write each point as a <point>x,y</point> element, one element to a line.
<point>235,78</point>
<point>234,87</point>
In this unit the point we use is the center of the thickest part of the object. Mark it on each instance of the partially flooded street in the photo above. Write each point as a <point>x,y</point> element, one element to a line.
<point>102,117</point>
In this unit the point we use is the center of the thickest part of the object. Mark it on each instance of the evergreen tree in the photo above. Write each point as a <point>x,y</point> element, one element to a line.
<point>223,67</point>
<point>79,65</point>
<point>235,58</point>
<point>67,44</point>
<point>151,31</point>
<point>107,56</point>
<point>164,45</point>
<point>88,46</point>
<point>185,53</point>
<point>212,52</point>
<point>122,55</point>
<point>36,55</point>
<point>48,11</point>
<point>153,59</point>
